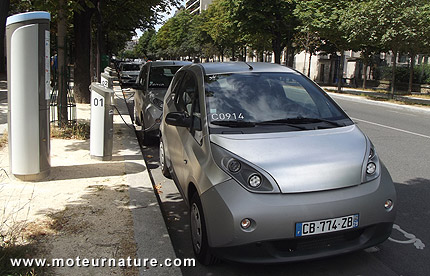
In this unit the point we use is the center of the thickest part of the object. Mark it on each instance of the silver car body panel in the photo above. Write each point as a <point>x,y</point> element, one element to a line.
<point>303,161</point>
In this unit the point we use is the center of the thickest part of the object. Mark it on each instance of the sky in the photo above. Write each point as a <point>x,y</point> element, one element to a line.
<point>165,17</point>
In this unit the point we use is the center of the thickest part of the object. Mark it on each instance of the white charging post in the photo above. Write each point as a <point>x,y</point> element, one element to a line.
<point>28,74</point>
<point>101,128</point>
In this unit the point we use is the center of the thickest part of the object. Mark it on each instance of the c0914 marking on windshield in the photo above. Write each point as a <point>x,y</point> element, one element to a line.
<point>411,238</point>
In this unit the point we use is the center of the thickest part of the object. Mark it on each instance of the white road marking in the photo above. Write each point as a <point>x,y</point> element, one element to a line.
<point>402,113</point>
<point>393,128</point>
<point>411,238</point>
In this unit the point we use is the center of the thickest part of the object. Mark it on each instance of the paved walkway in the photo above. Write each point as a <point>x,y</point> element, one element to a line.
<point>73,171</point>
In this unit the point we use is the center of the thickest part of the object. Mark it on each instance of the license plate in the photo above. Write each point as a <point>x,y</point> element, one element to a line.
<point>326,225</point>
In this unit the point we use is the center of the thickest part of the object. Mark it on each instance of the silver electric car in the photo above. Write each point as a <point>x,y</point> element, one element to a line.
<point>128,72</point>
<point>150,87</point>
<point>272,168</point>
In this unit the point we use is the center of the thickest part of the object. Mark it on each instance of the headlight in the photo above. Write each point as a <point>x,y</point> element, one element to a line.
<point>371,167</point>
<point>248,175</point>
<point>156,102</point>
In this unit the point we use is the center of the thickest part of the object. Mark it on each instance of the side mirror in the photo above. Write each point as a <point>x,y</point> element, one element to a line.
<point>178,119</point>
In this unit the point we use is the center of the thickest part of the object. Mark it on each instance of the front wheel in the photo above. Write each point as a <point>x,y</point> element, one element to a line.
<point>198,233</point>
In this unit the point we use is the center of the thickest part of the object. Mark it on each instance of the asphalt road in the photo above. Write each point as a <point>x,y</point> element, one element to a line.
<point>402,138</point>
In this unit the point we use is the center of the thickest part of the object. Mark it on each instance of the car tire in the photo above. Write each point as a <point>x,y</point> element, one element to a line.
<point>163,165</point>
<point>199,237</point>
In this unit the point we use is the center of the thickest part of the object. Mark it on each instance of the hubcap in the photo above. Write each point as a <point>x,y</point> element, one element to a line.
<point>196,228</point>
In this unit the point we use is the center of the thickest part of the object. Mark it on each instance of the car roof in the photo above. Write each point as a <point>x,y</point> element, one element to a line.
<point>213,68</point>
<point>168,62</point>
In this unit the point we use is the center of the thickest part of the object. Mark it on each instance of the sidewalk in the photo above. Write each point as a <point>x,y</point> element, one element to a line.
<point>356,91</point>
<point>82,209</point>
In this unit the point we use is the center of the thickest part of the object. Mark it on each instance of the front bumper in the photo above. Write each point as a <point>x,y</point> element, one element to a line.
<point>273,236</point>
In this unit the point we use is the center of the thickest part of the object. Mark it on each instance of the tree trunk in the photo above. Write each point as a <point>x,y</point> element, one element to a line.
<point>304,63</point>
<point>340,72</point>
<point>411,73</point>
<point>61,59</point>
<point>330,73</point>
<point>309,65</point>
<point>277,48</point>
<point>393,78</point>
<point>99,41</point>
<point>4,9</point>
<point>82,29</point>
<point>422,69</point>
<point>290,55</point>
<point>364,74</point>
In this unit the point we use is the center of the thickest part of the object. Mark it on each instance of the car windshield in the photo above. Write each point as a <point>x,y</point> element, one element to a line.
<point>130,67</point>
<point>160,77</point>
<point>250,99</point>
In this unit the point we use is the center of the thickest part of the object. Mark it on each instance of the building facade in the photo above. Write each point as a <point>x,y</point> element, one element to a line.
<point>197,6</point>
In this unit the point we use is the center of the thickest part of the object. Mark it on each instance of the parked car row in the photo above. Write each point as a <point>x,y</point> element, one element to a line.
<point>150,87</point>
<point>273,170</point>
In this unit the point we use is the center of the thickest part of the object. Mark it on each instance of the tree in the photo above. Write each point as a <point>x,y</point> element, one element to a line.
<point>310,43</point>
<point>145,47</point>
<point>62,81</point>
<point>357,22</point>
<point>417,23</point>
<point>271,19</point>
<point>4,9</point>
<point>324,18</point>
<point>392,25</point>
<point>221,28</point>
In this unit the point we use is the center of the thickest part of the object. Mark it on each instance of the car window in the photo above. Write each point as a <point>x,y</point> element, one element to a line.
<point>130,67</point>
<point>186,94</point>
<point>260,97</point>
<point>161,76</point>
<point>142,77</point>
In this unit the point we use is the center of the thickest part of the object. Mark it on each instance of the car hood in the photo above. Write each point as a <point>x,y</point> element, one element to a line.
<point>303,161</point>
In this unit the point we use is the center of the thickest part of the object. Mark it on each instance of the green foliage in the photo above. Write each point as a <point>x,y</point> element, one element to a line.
<point>421,74</point>
<point>146,46</point>
<point>220,26</point>
<point>325,19</point>
<point>264,23</point>
<point>172,38</point>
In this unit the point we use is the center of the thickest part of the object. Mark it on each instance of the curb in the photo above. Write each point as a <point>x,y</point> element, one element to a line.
<point>150,231</point>
<point>405,99</point>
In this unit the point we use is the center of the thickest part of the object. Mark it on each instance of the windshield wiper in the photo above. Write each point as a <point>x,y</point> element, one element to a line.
<point>234,123</point>
<point>301,120</point>
<point>286,122</point>
<point>317,120</point>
